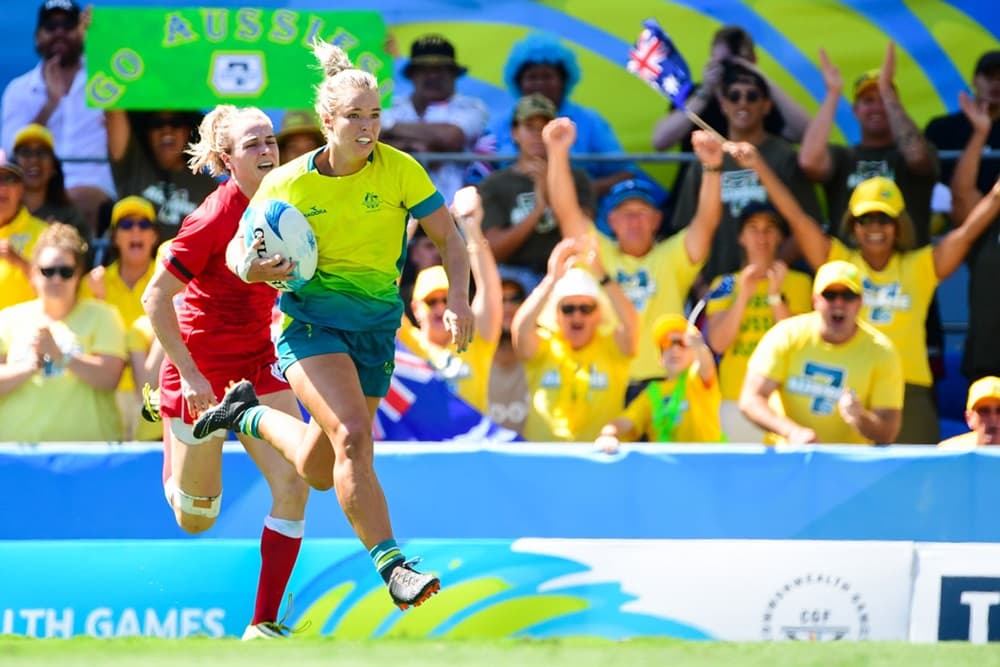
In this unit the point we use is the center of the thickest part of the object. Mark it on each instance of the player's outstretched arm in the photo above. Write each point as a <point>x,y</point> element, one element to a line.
<point>158,300</point>
<point>458,318</point>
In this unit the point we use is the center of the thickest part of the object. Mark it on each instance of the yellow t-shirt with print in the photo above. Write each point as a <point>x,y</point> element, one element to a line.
<point>127,300</point>
<point>896,303</point>
<point>758,317</point>
<point>812,374</point>
<point>59,406</point>
<point>697,416</point>
<point>467,373</point>
<point>655,283</point>
<point>22,232</point>
<point>574,392</point>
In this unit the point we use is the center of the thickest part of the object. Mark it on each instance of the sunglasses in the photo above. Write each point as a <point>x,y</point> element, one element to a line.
<point>9,179</point>
<point>53,24</point>
<point>988,411</point>
<point>736,96</point>
<point>845,295</point>
<point>65,272</point>
<point>583,308</point>
<point>436,301</point>
<point>25,153</point>
<point>513,298</point>
<point>129,224</point>
<point>874,219</point>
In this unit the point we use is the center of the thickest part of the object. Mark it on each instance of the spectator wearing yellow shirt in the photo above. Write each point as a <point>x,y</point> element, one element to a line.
<point>61,356</point>
<point>982,414</point>
<point>577,371</point>
<point>683,407</point>
<point>121,284</point>
<point>899,281</point>
<point>468,371</point>
<point>19,230</point>
<point>763,292</point>
<point>838,379</point>
<point>656,276</point>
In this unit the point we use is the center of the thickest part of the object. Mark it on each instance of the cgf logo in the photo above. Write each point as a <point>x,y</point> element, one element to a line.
<point>372,201</point>
<point>816,607</point>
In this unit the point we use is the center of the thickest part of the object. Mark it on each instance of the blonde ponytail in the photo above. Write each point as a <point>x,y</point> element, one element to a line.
<point>341,78</point>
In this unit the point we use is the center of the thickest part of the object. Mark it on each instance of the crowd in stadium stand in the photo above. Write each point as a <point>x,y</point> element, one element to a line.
<point>609,307</point>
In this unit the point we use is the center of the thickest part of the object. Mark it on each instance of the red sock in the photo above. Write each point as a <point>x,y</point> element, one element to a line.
<point>278,552</point>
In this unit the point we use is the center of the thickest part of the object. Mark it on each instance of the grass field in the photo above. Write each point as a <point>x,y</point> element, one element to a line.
<point>577,653</point>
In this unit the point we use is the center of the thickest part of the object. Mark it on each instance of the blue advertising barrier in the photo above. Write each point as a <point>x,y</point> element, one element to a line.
<point>175,588</point>
<point>442,491</point>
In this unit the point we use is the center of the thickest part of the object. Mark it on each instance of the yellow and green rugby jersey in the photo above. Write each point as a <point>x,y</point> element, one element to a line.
<point>360,226</point>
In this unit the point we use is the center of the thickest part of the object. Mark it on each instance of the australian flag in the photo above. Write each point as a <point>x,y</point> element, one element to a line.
<point>657,61</point>
<point>421,406</point>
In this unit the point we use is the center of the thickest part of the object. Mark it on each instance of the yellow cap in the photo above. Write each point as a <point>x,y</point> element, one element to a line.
<point>867,80</point>
<point>132,206</point>
<point>430,280</point>
<point>879,194</point>
<point>35,132</point>
<point>987,387</point>
<point>837,272</point>
<point>668,324</point>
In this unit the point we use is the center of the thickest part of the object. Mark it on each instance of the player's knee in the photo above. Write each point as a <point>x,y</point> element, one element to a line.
<point>194,514</point>
<point>315,466</point>
<point>316,475</point>
<point>193,523</point>
<point>356,442</point>
<point>290,489</point>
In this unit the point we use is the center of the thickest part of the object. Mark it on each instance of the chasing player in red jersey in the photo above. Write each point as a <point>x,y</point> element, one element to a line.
<point>219,334</point>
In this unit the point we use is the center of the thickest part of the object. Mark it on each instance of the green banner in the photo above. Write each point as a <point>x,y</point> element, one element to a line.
<point>199,57</point>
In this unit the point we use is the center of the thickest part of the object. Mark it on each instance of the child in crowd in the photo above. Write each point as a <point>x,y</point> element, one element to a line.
<point>684,406</point>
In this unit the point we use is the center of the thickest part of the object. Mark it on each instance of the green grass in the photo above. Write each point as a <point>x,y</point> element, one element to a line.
<point>576,652</point>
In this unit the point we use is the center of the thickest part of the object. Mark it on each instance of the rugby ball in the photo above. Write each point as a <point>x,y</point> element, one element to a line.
<point>285,232</point>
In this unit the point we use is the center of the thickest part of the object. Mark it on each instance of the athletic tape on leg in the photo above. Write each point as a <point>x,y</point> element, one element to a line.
<point>207,506</point>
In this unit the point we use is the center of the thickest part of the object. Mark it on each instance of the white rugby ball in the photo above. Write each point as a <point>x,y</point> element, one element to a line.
<point>286,232</point>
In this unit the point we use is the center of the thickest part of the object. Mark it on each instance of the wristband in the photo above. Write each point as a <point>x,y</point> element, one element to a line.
<point>711,168</point>
<point>774,300</point>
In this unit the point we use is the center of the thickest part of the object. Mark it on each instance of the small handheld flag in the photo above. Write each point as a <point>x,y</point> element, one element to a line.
<point>724,288</point>
<point>656,60</point>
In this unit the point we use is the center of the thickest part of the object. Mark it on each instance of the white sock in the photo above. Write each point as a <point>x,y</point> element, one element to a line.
<point>286,527</point>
